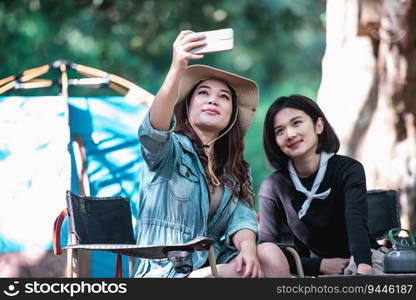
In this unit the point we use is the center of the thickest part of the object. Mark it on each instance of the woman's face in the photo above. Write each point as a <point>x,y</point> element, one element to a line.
<point>295,133</point>
<point>211,106</point>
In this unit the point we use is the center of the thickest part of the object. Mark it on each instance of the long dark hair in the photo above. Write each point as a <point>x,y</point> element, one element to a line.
<point>228,164</point>
<point>327,140</point>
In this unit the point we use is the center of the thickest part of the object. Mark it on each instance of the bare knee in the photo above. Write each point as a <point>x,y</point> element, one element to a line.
<point>270,251</point>
<point>273,261</point>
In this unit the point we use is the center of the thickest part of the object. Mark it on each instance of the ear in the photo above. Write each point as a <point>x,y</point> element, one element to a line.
<point>319,126</point>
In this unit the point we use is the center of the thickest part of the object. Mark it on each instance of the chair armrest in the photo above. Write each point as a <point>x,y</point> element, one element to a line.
<point>56,235</point>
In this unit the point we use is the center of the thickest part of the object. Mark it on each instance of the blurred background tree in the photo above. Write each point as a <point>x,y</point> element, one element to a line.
<point>368,91</point>
<point>279,44</point>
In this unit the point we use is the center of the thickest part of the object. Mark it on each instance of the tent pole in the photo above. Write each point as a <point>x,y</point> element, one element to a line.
<point>7,80</point>
<point>79,261</point>
<point>84,257</point>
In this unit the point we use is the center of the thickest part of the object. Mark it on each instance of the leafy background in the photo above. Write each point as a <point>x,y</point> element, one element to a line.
<point>279,44</point>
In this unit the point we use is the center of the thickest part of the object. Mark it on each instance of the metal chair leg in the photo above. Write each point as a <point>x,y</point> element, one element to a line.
<point>72,259</point>
<point>212,262</point>
<point>131,261</point>
<point>298,263</point>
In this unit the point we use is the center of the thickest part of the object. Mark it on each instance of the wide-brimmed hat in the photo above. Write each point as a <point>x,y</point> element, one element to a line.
<point>246,90</point>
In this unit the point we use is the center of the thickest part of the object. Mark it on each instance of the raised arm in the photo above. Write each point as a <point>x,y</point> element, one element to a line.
<point>163,105</point>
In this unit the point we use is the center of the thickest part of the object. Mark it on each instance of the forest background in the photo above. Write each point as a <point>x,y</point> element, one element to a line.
<point>279,44</point>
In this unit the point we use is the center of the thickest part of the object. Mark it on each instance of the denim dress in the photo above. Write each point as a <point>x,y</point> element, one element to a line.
<point>173,203</point>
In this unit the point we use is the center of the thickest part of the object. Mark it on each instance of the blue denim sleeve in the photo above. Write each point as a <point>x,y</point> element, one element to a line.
<point>244,217</point>
<point>155,144</point>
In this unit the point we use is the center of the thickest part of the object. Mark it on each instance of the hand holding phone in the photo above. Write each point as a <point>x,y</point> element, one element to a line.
<point>216,40</point>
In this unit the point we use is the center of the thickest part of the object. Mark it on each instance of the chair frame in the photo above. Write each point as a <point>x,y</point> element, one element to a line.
<point>131,250</point>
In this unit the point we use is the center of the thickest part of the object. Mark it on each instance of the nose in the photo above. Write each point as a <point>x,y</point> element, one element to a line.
<point>213,100</point>
<point>290,133</point>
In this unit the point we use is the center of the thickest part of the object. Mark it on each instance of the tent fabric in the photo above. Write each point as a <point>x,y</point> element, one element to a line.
<point>34,170</point>
<point>37,162</point>
<point>109,129</point>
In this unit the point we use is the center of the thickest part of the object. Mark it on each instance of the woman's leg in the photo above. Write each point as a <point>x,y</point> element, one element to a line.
<point>273,261</point>
<point>224,271</point>
<point>271,257</point>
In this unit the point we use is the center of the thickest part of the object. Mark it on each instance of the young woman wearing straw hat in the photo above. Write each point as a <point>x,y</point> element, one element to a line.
<point>196,181</point>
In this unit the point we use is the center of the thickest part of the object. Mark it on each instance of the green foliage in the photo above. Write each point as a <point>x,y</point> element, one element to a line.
<point>279,44</point>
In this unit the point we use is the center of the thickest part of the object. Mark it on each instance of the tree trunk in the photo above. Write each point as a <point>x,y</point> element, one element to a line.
<point>368,91</point>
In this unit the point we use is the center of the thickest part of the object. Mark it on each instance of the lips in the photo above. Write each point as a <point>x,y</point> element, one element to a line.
<point>294,144</point>
<point>211,111</point>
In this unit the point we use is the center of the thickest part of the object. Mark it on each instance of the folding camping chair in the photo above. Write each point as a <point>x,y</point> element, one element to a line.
<point>104,223</point>
<point>383,215</point>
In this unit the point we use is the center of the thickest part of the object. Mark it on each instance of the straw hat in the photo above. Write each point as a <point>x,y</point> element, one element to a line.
<point>246,90</point>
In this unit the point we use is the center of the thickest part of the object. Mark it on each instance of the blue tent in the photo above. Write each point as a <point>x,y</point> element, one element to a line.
<point>49,144</point>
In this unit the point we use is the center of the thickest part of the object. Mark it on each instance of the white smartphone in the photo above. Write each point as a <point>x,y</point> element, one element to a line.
<point>217,40</point>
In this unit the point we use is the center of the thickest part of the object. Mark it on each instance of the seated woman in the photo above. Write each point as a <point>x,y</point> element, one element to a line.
<point>319,195</point>
<point>196,181</point>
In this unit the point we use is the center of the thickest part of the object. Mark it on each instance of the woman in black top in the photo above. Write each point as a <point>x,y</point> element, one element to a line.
<point>319,195</point>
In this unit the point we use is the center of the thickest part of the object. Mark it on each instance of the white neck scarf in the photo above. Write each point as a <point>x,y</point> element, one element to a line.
<point>310,195</point>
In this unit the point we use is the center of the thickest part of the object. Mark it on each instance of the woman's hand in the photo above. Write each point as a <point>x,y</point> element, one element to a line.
<point>333,266</point>
<point>184,43</point>
<point>364,269</point>
<point>247,262</point>
<point>164,103</point>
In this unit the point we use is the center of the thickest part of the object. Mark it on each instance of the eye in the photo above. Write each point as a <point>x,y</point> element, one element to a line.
<point>297,122</point>
<point>225,96</point>
<point>278,131</point>
<point>202,92</point>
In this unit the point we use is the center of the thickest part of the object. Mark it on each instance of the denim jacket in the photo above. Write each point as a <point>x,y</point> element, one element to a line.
<point>173,203</point>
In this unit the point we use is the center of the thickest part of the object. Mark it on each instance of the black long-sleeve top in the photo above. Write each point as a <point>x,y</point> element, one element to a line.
<point>332,227</point>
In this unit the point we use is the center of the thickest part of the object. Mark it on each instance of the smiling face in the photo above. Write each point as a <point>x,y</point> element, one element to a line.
<point>296,134</point>
<point>211,107</point>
